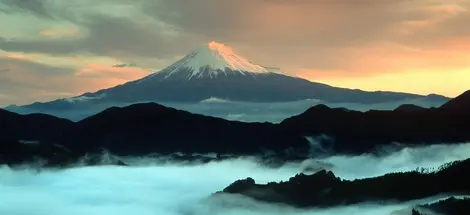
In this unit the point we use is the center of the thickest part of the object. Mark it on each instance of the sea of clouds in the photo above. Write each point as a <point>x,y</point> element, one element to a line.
<point>181,189</point>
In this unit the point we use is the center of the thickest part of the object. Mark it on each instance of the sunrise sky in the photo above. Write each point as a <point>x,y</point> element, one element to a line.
<point>60,48</point>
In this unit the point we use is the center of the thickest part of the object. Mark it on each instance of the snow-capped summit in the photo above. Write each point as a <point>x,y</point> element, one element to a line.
<point>211,60</point>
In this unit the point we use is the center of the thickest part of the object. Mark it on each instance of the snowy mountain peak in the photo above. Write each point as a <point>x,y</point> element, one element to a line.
<point>211,60</point>
<point>217,48</point>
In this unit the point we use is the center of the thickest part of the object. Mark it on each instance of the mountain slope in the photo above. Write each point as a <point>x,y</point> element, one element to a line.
<point>148,128</point>
<point>33,127</point>
<point>210,61</point>
<point>324,189</point>
<point>215,70</point>
<point>363,131</point>
<point>460,103</point>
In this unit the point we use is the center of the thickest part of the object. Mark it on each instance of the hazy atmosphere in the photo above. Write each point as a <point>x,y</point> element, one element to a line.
<point>234,107</point>
<point>244,111</point>
<point>51,49</point>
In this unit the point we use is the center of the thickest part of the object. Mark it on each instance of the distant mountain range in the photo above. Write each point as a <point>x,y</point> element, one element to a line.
<point>216,71</point>
<point>143,129</point>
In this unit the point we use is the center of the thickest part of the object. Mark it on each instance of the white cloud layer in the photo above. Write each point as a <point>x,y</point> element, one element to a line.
<point>182,190</point>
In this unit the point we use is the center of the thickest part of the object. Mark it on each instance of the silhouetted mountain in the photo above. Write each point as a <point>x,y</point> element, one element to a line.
<point>145,128</point>
<point>148,128</point>
<point>33,127</point>
<point>215,70</point>
<point>409,108</point>
<point>16,153</point>
<point>324,189</point>
<point>460,103</point>
<point>356,132</point>
<point>450,206</point>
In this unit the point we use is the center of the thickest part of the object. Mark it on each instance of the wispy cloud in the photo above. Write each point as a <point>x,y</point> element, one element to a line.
<point>58,33</point>
<point>25,78</point>
<point>124,65</point>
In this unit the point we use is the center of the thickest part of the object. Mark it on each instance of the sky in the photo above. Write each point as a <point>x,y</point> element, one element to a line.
<point>54,48</point>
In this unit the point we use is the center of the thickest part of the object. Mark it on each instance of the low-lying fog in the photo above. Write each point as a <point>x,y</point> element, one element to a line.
<point>173,189</point>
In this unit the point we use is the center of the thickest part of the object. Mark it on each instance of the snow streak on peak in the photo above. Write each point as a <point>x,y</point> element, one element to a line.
<point>211,60</point>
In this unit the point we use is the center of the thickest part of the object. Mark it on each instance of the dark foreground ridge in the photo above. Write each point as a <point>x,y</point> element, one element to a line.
<point>450,206</point>
<point>358,132</point>
<point>324,189</point>
<point>15,154</point>
<point>143,129</point>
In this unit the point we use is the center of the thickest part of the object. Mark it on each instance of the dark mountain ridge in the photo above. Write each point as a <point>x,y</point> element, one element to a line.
<point>154,128</point>
<point>450,206</point>
<point>460,103</point>
<point>262,88</point>
<point>324,189</point>
<point>147,128</point>
<point>36,127</point>
<point>365,130</point>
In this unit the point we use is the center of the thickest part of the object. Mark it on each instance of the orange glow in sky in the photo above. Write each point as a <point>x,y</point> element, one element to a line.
<point>419,46</point>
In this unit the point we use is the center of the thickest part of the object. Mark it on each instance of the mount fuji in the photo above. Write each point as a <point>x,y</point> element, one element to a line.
<point>215,70</point>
